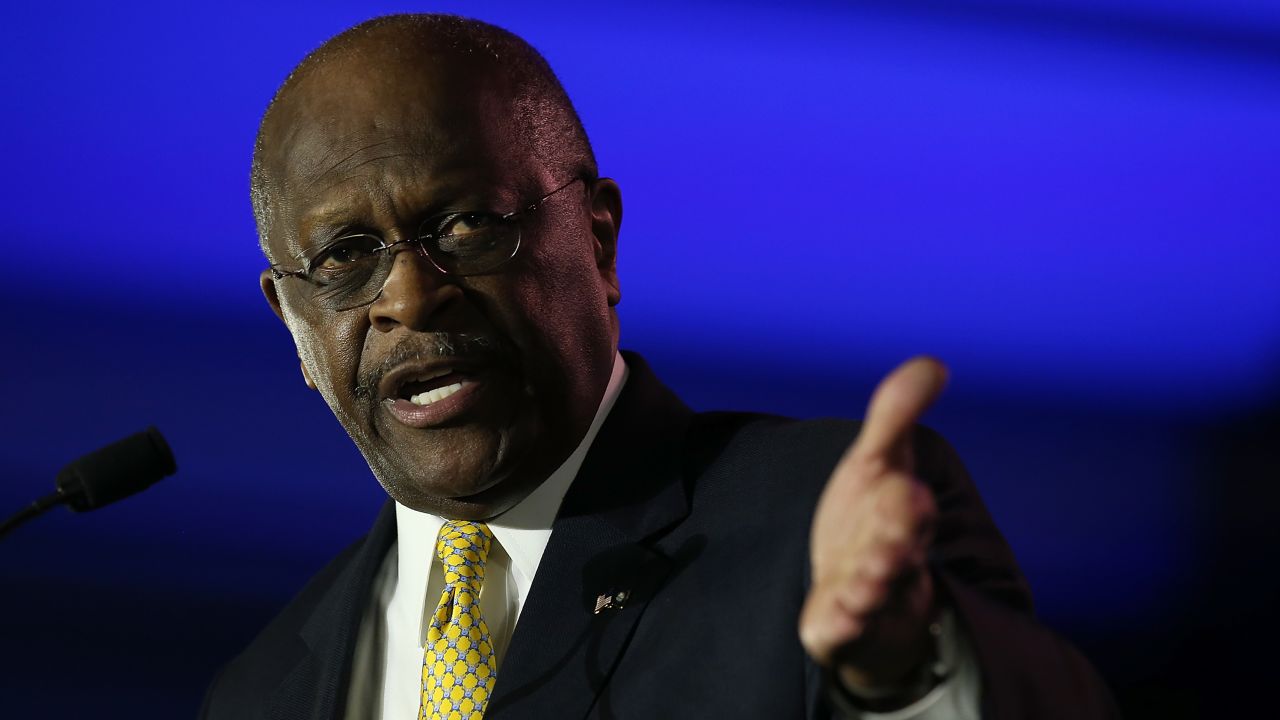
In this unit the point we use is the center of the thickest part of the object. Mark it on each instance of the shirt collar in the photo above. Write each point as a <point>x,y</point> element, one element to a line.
<point>524,530</point>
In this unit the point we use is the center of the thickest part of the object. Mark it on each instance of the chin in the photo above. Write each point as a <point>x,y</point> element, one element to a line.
<point>466,475</point>
<point>490,499</point>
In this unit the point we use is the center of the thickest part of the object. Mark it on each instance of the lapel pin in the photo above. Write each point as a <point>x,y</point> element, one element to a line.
<point>611,601</point>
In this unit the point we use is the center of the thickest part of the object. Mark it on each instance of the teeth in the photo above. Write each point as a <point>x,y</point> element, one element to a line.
<point>439,393</point>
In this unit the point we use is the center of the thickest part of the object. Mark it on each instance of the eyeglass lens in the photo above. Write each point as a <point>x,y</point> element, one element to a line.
<point>354,271</point>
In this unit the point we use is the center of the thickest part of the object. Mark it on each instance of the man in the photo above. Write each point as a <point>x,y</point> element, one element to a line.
<point>567,539</point>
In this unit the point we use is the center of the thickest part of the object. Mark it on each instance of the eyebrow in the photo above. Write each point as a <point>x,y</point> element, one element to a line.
<point>331,220</point>
<point>323,225</point>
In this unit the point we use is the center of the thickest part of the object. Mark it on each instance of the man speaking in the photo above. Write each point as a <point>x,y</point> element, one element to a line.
<point>566,538</point>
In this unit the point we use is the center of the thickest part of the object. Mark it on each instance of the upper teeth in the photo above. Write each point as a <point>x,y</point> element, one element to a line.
<point>431,374</point>
<point>440,393</point>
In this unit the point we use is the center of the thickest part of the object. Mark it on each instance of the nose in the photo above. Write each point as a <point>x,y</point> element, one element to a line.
<point>413,295</point>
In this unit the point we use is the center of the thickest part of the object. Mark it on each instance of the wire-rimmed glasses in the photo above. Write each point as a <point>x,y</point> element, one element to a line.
<point>351,270</point>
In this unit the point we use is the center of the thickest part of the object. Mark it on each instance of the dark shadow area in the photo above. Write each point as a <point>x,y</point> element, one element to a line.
<point>1230,648</point>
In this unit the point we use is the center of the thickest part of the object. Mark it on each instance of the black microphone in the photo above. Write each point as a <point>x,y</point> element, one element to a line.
<point>115,472</point>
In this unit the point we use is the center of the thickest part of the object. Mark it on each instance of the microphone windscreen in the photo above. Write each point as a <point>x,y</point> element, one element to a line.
<point>116,471</point>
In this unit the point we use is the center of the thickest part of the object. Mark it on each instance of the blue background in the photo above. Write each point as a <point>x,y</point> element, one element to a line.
<point>1073,203</point>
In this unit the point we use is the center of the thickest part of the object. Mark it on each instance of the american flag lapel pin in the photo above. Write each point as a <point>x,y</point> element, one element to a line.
<point>611,601</point>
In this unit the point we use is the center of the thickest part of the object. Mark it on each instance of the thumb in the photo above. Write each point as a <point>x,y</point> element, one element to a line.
<point>898,403</point>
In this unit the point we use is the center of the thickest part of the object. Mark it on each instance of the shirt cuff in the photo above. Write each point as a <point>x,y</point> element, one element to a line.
<point>957,696</point>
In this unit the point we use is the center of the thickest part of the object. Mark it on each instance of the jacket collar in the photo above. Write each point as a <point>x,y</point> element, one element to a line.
<point>317,685</point>
<point>629,491</point>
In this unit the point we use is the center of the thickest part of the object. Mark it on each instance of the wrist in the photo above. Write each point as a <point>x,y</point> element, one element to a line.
<point>855,693</point>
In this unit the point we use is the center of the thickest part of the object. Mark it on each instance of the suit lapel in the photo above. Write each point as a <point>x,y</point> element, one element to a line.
<point>629,490</point>
<point>316,686</point>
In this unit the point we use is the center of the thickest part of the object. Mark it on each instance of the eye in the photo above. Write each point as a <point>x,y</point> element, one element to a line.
<point>470,243</point>
<point>461,224</point>
<point>466,223</point>
<point>345,252</point>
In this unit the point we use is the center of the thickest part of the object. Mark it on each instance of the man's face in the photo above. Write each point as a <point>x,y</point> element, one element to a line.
<point>355,148</point>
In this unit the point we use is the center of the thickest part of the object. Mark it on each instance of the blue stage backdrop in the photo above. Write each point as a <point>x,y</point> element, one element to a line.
<point>1075,204</point>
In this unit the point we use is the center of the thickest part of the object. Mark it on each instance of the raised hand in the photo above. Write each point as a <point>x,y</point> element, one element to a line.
<point>872,598</point>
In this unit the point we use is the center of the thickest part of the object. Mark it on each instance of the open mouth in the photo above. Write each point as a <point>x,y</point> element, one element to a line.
<point>425,395</point>
<point>431,387</point>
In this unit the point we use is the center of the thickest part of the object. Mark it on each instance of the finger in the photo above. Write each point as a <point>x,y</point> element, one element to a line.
<point>892,638</point>
<point>849,610</point>
<point>841,610</point>
<point>824,624</point>
<point>858,596</point>
<point>896,509</point>
<point>903,508</point>
<point>893,536</point>
<point>896,406</point>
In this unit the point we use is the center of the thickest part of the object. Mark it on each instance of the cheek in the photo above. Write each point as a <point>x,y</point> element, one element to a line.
<point>330,355</point>
<point>565,305</point>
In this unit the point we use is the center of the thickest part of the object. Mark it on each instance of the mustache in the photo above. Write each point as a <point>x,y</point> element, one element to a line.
<point>476,347</point>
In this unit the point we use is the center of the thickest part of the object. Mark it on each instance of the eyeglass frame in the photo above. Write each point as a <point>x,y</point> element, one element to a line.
<point>421,238</point>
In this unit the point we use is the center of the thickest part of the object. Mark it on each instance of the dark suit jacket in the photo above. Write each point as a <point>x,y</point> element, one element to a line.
<point>703,520</point>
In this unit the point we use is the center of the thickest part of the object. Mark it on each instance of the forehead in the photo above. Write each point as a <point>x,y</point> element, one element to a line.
<point>430,104</point>
<point>350,130</point>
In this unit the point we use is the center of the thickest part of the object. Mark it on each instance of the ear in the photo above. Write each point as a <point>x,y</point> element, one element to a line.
<point>268,284</point>
<point>606,221</point>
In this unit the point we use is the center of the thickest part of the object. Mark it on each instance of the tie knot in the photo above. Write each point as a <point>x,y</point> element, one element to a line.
<point>463,547</point>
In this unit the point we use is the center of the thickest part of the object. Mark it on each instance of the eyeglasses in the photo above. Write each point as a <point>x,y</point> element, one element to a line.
<point>352,270</point>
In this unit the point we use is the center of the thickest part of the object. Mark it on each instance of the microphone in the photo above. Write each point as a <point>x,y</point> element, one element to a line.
<point>104,476</point>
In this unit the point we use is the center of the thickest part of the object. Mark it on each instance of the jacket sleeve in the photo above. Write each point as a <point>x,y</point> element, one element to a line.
<point>1027,670</point>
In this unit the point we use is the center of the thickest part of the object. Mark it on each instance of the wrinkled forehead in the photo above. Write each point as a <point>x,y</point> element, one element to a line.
<point>362,109</point>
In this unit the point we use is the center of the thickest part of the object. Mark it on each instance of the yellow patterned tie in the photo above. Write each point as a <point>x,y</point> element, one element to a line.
<point>458,665</point>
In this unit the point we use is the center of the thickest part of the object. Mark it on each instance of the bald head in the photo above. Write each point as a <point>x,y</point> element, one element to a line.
<point>406,69</point>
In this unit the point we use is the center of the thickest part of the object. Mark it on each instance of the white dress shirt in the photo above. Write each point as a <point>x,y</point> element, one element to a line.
<point>386,674</point>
